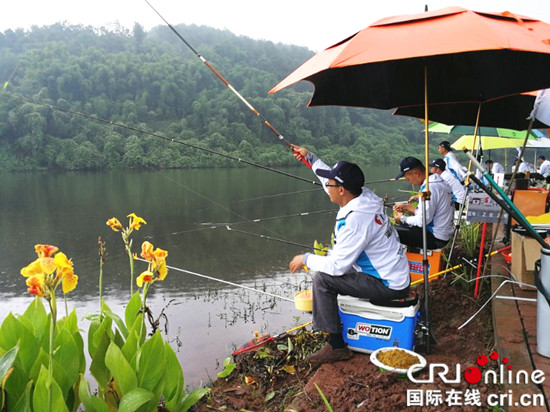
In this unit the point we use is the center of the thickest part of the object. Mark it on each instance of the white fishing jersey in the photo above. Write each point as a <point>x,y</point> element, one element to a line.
<point>365,240</point>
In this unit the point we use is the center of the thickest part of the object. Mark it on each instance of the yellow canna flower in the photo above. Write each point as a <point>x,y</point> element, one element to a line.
<point>33,269</point>
<point>160,254</point>
<point>36,285</point>
<point>147,251</point>
<point>144,277</point>
<point>61,261</point>
<point>48,265</point>
<point>70,280</point>
<point>44,251</point>
<point>162,270</point>
<point>114,224</point>
<point>136,221</point>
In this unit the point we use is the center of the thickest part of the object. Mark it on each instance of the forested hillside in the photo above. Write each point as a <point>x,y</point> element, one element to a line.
<point>151,81</point>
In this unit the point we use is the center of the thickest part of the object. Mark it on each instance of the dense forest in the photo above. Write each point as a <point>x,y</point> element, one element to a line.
<point>152,82</point>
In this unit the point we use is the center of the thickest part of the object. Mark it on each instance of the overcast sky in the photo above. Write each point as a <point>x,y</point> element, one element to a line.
<point>316,24</point>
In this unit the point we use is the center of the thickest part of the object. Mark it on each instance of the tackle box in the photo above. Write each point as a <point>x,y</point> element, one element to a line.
<point>416,269</point>
<point>367,327</point>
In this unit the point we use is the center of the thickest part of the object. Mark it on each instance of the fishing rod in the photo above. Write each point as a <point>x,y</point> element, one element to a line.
<point>262,340</point>
<point>494,252</point>
<point>384,181</point>
<point>170,139</point>
<point>224,81</point>
<point>11,75</point>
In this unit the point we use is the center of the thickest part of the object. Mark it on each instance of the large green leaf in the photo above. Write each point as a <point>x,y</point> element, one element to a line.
<point>136,399</point>
<point>24,402</point>
<point>136,335</point>
<point>173,384</point>
<point>36,316</point>
<point>67,359</point>
<point>41,360</point>
<point>120,368</point>
<point>15,385</point>
<point>98,330</point>
<point>11,332</point>
<point>132,310</point>
<point>95,324</point>
<point>151,362</point>
<point>47,390</point>
<point>109,313</point>
<point>98,368</point>
<point>91,403</point>
<point>70,323</point>
<point>6,363</point>
<point>192,398</point>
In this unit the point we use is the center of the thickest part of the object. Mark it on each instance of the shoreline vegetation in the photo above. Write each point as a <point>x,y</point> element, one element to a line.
<point>145,81</point>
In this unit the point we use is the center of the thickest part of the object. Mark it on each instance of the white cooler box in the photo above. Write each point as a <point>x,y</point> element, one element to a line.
<point>367,327</point>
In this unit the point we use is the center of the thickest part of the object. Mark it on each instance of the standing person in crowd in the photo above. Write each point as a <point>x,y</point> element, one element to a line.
<point>453,165</point>
<point>439,208</point>
<point>459,192</point>
<point>367,260</point>
<point>494,167</point>
<point>544,166</point>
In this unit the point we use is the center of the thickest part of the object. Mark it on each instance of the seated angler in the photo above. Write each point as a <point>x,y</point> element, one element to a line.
<point>439,209</point>
<point>459,192</point>
<point>367,260</point>
<point>494,167</point>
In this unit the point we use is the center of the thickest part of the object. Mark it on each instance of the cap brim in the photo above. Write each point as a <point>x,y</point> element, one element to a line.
<point>326,173</point>
<point>400,175</point>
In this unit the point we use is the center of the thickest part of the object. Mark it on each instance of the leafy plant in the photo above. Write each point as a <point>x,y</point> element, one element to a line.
<point>228,367</point>
<point>469,241</point>
<point>42,362</point>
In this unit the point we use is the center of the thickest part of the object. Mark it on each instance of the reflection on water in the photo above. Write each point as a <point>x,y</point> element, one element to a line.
<point>205,319</point>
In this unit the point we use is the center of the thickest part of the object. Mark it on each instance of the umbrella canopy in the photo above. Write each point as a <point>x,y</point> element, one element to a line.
<point>482,131</point>
<point>493,142</point>
<point>510,112</point>
<point>468,57</point>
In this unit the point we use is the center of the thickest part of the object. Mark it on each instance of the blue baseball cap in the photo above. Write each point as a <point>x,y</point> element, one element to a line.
<point>347,174</point>
<point>408,163</point>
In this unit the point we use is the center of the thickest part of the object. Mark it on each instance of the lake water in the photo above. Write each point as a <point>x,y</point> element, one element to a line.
<point>205,318</point>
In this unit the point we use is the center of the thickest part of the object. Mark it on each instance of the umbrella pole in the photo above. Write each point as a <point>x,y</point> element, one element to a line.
<point>424,197</point>
<point>520,155</point>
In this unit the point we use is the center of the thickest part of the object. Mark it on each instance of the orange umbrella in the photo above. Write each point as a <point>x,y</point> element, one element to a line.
<point>509,112</point>
<point>447,55</point>
<point>469,57</point>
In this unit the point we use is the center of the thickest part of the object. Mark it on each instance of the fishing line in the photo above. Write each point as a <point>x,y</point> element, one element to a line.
<point>272,238</point>
<point>211,225</point>
<point>224,281</point>
<point>318,212</point>
<point>224,81</point>
<point>169,139</point>
<point>277,195</point>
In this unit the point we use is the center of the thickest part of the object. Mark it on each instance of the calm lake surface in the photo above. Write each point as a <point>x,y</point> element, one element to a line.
<point>205,319</point>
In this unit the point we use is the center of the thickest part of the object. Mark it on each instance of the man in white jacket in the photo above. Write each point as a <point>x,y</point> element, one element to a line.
<point>439,208</point>
<point>451,160</point>
<point>544,166</point>
<point>439,167</point>
<point>494,167</point>
<point>367,260</point>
